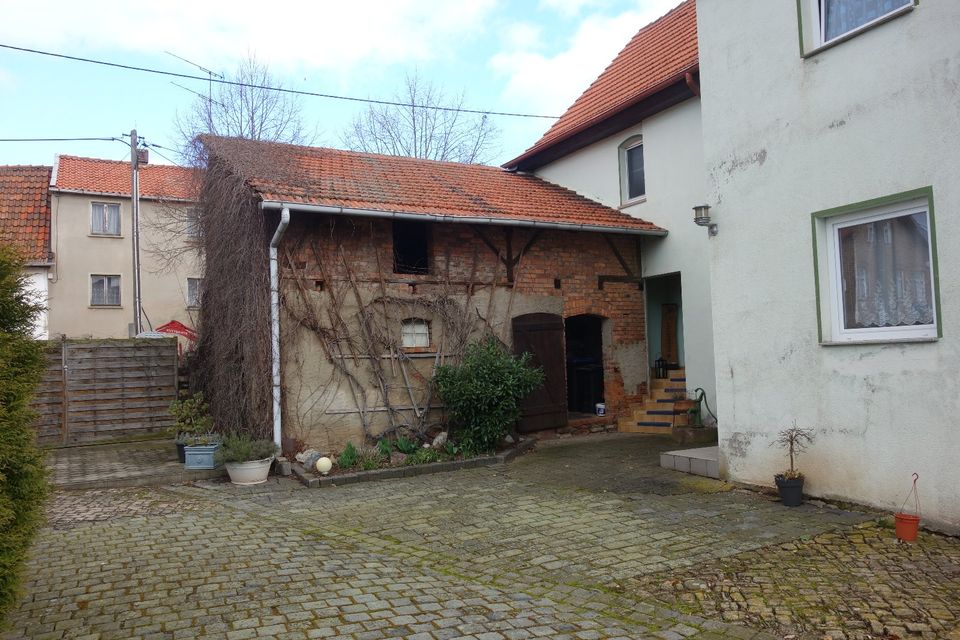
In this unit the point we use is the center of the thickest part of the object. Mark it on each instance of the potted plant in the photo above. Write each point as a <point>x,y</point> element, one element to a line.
<point>193,427</point>
<point>247,460</point>
<point>790,483</point>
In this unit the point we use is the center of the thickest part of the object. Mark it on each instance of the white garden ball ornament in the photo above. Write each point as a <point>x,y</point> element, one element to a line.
<point>324,465</point>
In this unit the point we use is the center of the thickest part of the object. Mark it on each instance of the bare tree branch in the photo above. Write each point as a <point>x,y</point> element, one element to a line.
<point>412,130</point>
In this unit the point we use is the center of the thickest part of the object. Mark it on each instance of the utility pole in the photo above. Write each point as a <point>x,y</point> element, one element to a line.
<point>135,219</point>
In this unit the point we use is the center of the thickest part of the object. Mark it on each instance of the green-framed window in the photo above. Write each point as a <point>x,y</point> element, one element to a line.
<point>876,270</point>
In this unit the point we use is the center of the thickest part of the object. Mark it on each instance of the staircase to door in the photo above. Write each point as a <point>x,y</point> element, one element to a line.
<point>659,412</point>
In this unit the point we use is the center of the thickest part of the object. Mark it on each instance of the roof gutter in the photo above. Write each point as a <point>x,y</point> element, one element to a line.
<point>275,322</point>
<point>267,205</point>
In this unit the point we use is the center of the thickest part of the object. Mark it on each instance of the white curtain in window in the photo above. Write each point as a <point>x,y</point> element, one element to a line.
<point>841,16</point>
<point>106,219</point>
<point>881,298</point>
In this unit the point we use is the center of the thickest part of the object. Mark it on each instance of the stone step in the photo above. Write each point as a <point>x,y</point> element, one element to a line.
<point>702,461</point>
<point>635,428</point>
<point>654,423</point>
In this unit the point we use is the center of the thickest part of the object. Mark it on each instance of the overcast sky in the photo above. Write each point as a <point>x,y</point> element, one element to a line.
<point>532,56</point>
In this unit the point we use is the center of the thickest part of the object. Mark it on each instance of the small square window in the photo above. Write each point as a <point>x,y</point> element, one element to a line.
<point>105,219</point>
<point>104,291</point>
<point>194,290</point>
<point>415,333</point>
<point>868,296</point>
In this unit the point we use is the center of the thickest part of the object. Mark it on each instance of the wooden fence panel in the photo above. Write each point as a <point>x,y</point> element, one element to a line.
<point>95,390</point>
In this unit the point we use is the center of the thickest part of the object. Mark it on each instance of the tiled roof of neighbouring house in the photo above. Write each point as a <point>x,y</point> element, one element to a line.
<point>94,175</point>
<point>25,210</point>
<point>352,180</point>
<point>658,56</point>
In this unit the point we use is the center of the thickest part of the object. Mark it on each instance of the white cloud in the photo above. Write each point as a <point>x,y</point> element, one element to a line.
<point>568,8</point>
<point>287,34</point>
<point>8,81</point>
<point>549,84</point>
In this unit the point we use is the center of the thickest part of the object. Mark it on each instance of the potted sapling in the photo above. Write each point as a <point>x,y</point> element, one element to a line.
<point>790,483</point>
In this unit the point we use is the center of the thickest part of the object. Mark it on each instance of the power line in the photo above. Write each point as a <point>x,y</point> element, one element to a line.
<point>60,139</point>
<point>298,92</point>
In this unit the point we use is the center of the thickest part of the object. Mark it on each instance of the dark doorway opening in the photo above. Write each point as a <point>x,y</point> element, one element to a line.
<point>411,247</point>
<point>584,343</point>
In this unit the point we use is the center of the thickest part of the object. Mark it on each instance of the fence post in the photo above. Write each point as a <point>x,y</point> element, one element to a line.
<point>65,398</point>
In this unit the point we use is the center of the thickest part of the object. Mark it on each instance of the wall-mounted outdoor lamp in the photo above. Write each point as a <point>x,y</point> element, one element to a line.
<point>701,216</point>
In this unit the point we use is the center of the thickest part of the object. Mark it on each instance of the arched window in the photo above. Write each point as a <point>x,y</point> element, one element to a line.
<point>415,333</point>
<point>632,182</point>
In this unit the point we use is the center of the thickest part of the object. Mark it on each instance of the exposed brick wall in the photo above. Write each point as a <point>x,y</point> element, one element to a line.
<point>458,255</point>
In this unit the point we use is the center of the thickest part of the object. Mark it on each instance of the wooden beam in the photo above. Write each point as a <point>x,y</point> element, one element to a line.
<point>616,252</point>
<point>533,238</point>
<point>477,230</point>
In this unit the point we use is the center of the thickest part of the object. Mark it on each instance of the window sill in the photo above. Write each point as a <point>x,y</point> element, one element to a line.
<point>854,343</point>
<point>419,352</point>
<point>103,235</point>
<point>853,34</point>
<point>630,203</point>
<point>105,306</point>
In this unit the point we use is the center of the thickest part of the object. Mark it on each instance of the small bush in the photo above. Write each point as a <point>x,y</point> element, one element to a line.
<point>240,447</point>
<point>406,445</point>
<point>483,394</point>
<point>385,448</point>
<point>23,485</point>
<point>423,456</point>
<point>193,421</point>
<point>348,457</point>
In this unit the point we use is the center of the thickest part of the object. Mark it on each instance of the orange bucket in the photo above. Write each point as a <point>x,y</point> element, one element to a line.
<point>906,526</point>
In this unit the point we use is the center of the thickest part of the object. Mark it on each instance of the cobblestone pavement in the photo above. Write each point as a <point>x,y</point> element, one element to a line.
<point>572,541</point>
<point>151,463</point>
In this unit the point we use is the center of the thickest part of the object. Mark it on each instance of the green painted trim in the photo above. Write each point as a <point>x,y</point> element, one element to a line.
<point>857,207</point>
<point>800,27</point>
<point>902,11</point>
<point>816,276</point>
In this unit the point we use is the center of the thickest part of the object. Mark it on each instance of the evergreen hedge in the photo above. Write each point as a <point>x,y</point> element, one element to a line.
<point>23,485</point>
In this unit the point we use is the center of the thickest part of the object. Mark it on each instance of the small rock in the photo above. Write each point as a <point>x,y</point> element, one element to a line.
<point>397,458</point>
<point>283,466</point>
<point>426,445</point>
<point>303,455</point>
<point>508,439</point>
<point>311,461</point>
<point>440,440</point>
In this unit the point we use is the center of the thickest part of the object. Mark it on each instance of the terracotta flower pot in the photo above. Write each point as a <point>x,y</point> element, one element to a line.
<point>906,525</point>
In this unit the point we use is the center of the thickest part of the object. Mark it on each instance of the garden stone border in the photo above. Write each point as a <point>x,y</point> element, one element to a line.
<point>310,479</point>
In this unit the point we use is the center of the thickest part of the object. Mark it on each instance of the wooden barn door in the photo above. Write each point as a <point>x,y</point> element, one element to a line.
<point>541,335</point>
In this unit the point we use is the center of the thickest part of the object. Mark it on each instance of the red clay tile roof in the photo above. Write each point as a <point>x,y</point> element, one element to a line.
<point>25,210</point>
<point>157,181</point>
<point>655,58</point>
<point>352,180</point>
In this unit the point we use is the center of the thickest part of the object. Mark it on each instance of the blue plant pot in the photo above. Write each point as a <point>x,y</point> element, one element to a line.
<point>200,456</point>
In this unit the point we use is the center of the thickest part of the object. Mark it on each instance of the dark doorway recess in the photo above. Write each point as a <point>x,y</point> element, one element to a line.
<point>541,335</point>
<point>584,346</point>
<point>411,246</point>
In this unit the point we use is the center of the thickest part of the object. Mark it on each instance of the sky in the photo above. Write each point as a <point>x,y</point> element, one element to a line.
<point>527,56</point>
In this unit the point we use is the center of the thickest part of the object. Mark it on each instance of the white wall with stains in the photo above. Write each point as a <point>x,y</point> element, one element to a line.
<point>673,164</point>
<point>785,136</point>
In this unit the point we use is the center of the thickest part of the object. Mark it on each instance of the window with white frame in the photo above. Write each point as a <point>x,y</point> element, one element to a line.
<point>104,290</point>
<point>105,219</point>
<point>194,290</point>
<point>632,180</point>
<point>827,21</point>
<point>415,333</point>
<point>864,288</point>
<point>193,223</point>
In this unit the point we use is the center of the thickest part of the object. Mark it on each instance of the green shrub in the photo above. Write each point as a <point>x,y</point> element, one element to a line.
<point>240,447</point>
<point>193,422</point>
<point>406,445</point>
<point>385,447</point>
<point>348,457</point>
<point>423,456</point>
<point>483,394</point>
<point>23,485</point>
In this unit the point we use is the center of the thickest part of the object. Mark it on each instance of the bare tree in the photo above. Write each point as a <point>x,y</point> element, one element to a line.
<point>244,109</point>
<point>420,130</point>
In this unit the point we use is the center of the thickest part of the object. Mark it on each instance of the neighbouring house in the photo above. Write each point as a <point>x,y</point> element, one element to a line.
<point>25,225</point>
<point>833,174</point>
<point>91,281</point>
<point>633,142</point>
<point>386,266</point>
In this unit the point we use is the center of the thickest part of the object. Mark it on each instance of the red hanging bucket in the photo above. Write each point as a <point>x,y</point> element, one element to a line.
<point>907,524</point>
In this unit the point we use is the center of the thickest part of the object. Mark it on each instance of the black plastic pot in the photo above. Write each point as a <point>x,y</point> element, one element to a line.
<point>181,454</point>
<point>791,490</point>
